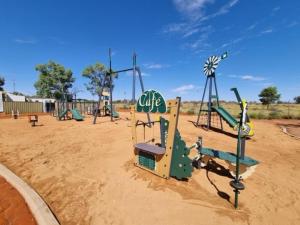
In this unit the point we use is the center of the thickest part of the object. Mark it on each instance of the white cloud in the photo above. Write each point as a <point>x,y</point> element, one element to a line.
<point>193,9</point>
<point>191,32</point>
<point>129,73</point>
<point>25,41</point>
<point>292,24</point>
<point>155,65</point>
<point>267,31</point>
<point>145,74</point>
<point>275,9</point>
<point>248,77</point>
<point>223,10</point>
<point>185,88</point>
<point>252,26</point>
<point>174,27</point>
<point>235,41</point>
<point>252,78</point>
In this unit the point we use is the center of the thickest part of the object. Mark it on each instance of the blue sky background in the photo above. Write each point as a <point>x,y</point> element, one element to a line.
<point>172,38</point>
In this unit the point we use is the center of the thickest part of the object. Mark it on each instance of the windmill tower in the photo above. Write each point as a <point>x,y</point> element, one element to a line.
<point>209,70</point>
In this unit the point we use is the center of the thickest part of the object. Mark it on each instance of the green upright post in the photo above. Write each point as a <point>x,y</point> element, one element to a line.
<point>236,184</point>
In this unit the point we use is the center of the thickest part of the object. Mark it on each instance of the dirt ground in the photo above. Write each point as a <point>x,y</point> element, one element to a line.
<point>13,208</point>
<point>86,175</point>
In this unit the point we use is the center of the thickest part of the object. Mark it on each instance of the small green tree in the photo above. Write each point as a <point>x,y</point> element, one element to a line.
<point>54,80</point>
<point>297,99</point>
<point>2,82</point>
<point>268,96</point>
<point>18,93</point>
<point>99,80</point>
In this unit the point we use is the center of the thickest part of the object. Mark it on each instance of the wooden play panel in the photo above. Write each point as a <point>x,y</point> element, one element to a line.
<point>13,208</point>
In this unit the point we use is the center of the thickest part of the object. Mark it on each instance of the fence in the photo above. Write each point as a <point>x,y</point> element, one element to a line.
<point>84,107</point>
<point>23,107</point>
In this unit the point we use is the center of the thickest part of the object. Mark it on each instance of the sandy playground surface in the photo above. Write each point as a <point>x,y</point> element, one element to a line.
<point>85,173</point>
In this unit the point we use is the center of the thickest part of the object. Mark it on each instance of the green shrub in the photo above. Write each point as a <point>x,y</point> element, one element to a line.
<point>274,115</point>
<point>190,112</point>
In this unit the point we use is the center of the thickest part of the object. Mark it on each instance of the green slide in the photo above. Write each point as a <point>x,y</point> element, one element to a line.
<point>62,114</point>
<point>76,115</point>
<point>114,113</point>
<point>232,122</point>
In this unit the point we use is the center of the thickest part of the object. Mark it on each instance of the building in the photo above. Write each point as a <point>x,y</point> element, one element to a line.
<point>48,103</point>
<point>9,97</point>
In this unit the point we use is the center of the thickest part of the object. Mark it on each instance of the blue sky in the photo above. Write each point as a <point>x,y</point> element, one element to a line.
<point>172,38</point>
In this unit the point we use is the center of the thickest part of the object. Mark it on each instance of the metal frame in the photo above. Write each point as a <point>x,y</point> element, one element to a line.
<point>210,80</point>
<point>134,69</point>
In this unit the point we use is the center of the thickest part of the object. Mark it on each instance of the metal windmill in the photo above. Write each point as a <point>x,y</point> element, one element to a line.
<point>209,69</point>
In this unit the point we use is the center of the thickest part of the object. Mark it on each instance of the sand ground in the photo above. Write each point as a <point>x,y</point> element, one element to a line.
<point>85,173</point>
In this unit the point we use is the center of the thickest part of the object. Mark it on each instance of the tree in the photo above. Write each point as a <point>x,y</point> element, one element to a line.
<point>54,80</point>
<point>269,95</point>
<point>297,99</point>
<point>2,82</point>
<point>18,93</point>
<point>99,80</point>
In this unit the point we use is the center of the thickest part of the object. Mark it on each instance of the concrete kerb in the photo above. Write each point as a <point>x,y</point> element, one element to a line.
<point>40,210</point>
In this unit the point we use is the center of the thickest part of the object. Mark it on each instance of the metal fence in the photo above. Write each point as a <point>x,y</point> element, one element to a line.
<point>23,107</point>
<point>84,107</point>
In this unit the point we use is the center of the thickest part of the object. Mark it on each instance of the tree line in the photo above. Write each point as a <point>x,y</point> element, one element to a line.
<point>55,81</point>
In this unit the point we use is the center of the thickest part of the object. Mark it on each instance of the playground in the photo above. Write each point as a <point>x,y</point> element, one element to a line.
<point>86,175</point>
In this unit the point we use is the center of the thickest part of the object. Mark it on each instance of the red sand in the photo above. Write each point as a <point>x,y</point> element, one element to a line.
<point>85,173</point>
<point>13,208</point>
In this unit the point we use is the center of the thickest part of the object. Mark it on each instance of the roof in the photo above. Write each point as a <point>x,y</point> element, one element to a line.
<point>15,98</point>
<point>37,99</point>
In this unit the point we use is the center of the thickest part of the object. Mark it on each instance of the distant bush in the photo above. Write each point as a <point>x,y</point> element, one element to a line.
<point>258,115</point>
<point>274,115</point>
<point>190,112</point>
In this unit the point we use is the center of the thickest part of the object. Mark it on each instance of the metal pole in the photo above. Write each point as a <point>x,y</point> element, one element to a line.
<point>201,102</point>
<point>216,89</point>
<point>237,172</point>
<point>209,102</point>
<point>110,86</point>
<point>143,90</point>
<point>133,77</point>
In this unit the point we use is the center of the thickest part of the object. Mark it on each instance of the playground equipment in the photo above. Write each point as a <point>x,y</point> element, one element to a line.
<point>33,119</point>
<point>15,114</point>
<point>213,105</point>
<point>161,158</point>
<point>74,112</point>
<point>64,110</point>
<point>109,108</point>
<point>110,111</point>
<point>169,156</point>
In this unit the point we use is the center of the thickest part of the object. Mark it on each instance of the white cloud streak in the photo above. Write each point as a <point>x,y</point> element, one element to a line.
<point>185,88</point>
<point>267,31</point>
<point>248,77</point>
<point>155,66</point>
<point>25,41</point>
<point>252,78</point>
<point>193,9</point>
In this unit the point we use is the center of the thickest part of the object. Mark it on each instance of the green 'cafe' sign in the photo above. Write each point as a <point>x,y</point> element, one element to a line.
<point>151,101</point>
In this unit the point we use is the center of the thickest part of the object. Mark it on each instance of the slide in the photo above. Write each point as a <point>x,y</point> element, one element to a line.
<point>114,113</point>
<point>62,114</point>
<point>76,115</point>
<point>232,122</point>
